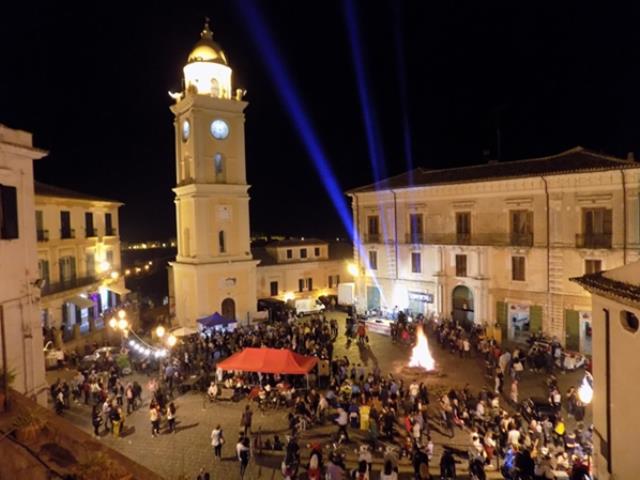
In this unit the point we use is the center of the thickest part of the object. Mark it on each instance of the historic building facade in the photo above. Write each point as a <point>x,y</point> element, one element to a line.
<point>616,341</point>
<point>78,250</point>
<point>497,243</point>
<point>214,269</point>
<point>21,336</point>
<point>301,268</point>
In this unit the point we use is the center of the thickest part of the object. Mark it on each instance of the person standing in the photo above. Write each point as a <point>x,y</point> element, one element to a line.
<point>246,419</point>
<point>217,440</point>
<point>154,417</point>
<point>514,392</point>
<point>96,420</point>
<point>243,454</point>
<point>171,418</point>
<point>342,420</point>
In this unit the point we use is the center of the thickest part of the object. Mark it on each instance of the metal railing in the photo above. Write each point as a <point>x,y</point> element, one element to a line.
<point>42,235</point>
<point>110,232</point>
<point>521,239</point>
<point>593,240</point>
<point>68,284</point>
<point>90,232</point>
<point>416,238</point>
<point>67,233</point>
<point>372,238</point>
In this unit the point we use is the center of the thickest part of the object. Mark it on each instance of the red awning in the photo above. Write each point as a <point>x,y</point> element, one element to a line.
<point>269,360</point>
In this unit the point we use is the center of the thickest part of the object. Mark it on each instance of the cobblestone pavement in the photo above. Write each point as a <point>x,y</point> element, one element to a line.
<point>183,454</point>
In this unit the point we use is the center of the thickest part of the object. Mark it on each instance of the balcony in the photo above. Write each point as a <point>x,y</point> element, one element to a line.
<point>372,238</point>
<point>593,240</point>
<point>90,232</point>
<point>67,233</point>
<point>416,238</point>
<point>70,284</point>
<point>110,232</point>
<point>521,239</point>
<point>42,235</point>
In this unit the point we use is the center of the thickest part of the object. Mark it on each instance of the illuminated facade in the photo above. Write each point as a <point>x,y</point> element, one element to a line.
<point>496,244</point>
<point>301,268</point>
<point>78,250</point>
<point>214,269</point>
<point>19,294</point>
<point>616,341</point>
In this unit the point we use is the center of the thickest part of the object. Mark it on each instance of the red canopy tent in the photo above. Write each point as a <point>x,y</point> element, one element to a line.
<point>269,360</point>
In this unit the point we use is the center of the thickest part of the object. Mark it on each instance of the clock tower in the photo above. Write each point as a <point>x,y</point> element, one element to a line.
<point>213,270</point>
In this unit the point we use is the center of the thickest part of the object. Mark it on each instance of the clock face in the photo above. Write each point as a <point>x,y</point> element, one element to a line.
<point>186,130</point>
<point>219,129</point>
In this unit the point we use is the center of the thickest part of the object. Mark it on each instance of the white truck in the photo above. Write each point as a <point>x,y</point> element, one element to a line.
<point>306,306</point>
<point>346,297</point>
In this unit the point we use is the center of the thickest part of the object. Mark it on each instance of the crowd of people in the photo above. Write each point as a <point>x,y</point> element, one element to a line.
<point>379,415</point>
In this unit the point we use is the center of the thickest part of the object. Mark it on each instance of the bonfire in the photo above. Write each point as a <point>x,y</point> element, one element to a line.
<point>421,355</point>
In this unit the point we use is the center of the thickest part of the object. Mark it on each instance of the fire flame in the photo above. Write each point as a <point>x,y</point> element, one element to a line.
<point>421,355</point>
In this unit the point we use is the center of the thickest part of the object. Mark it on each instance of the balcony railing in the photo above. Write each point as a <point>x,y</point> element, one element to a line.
<point>110,232</point>
<point>90,232</point>
<point>416,238</point>
<point>593,240</point>
<point>67,233</point>
<point>372,238</point>
<point>76,282</point>
<point>42,235</point>
<point>521,239</point>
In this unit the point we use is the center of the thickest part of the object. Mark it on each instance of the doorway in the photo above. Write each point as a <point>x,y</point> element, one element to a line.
<point>373,298</point>
<point>585,332</point>
<point>229,309</point>
<point>462,303</point>
<point>519,322</point>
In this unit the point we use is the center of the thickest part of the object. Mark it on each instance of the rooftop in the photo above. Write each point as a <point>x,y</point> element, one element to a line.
<point>296,242</point>
<point>337,251</point>
<point>45,190</point>
<point>575,160</point>
<point>615,283</point>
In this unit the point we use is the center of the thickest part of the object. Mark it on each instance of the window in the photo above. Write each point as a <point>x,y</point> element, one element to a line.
<point>309,284</point>
<point>596,221</point>
<point>88,225</point>
<point>330,281</point>
<point>415,227</point>
<point>221,242</point>
<point>592,266</point>
<point>8,212</point>
<point>110,257</point>
<point>65,224</point>
<point>108,224</point>
<point>416,266</point>
<point>517,269</point>
<point>461,265</point>
<point>218,163</point>
<point>629,321</point>
<point>303,253</point>
<point>43,270</point>
<point>337,280</point>
<point>521,227</point>
<point>373,227</point>
<point>316,251</point>
<point>40,232</point>
<point>289,253</point>
<point>373,260</point>
<point>301,284</point>
<point>273,288</point>
<point>67,268</point>
<point>463,227</point>
<point>334,280</point>
<point>91,264</point>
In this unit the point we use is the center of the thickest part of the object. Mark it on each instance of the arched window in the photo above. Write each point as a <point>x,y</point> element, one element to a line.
<point>215,87</point>
<point>221,242</point>
<point>629,321</point>
<point>218,167</point>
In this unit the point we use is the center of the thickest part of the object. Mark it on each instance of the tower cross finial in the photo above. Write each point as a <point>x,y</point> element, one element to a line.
<point>206,31</point>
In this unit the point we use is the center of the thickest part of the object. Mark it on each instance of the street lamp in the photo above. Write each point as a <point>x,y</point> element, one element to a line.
<point>172,340</point>
<point>113,323</point>
<point>585,391</point>
<point>160,331</point>
<point>353,270</point>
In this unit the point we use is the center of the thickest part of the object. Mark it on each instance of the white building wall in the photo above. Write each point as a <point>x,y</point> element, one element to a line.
<point>19,299</point>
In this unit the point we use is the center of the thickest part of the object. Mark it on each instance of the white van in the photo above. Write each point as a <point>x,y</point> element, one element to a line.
<point>305,306</point>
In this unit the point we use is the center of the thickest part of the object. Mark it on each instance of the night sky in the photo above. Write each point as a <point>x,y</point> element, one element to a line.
<point>91,80</point>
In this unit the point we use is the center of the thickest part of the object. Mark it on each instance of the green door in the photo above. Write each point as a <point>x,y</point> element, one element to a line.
<point>572,329</point>
<point>373,298</point>
<point>501,317</point>
<point>535,318</point>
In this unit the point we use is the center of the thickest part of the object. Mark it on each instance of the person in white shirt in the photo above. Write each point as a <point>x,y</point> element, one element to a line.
<point>513,436</point>
<point>217,440</point>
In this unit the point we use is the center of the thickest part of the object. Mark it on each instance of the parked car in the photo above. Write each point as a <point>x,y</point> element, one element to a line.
<point>53,357</point>
<point>98,359</point>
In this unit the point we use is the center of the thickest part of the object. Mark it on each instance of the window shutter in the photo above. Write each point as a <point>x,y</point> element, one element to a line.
<point>607,221</point>
<point>8,212</point>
